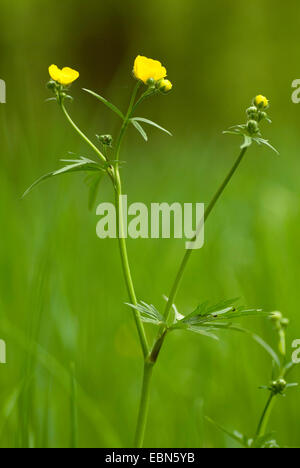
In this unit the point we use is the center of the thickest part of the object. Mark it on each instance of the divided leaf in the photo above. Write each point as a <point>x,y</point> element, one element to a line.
<point>106,102</point>
<point>93,182</point>
<point>206,319</point>
<point>148,312</point>
<point>266,441</point>
<point>241,130</point>
<point>75,165</point>
<point>150,122</point>
<point>139,129</point>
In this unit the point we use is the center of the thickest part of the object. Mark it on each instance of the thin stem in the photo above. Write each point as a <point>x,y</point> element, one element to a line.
<point>126,122</point>
<point>120,228</point>
<point>82,135</point>
<point>264,420</point>
<point>144,406</point>
<point>126,266</point>
<point>115,176</point>
<point>188,253</point>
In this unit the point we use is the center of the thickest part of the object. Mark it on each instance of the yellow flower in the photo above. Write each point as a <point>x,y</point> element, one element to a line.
<point>165,86</point>
<point>145,68</point>
<point>65,76</point>
<point>261,101</point>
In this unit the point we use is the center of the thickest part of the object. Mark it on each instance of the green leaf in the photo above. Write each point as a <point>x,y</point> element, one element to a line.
<point>78,165</point>
<point>234,435</point>
<point>150,122</point>
<point>204,309</point>
<point>203,331</point>
<point>247,142</point>
<point>148,312</point>
<point>262,141</point>
<point>262,343</point>
<point>139,129</point>
<point>106,102</point>
<point>266,441</point>
<point>93,182</point>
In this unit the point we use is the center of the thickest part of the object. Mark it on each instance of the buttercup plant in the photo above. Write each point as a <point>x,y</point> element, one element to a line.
<point>206,319</point>
<point>281,368</point>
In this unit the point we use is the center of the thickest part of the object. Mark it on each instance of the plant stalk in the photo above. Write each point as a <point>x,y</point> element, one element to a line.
<point>264,420</point>
<point>208,211</point>
<point>126,266</point>
<point>82,135</point>
<point>144,406</point>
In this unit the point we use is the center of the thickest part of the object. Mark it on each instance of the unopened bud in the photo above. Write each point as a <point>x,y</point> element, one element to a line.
<point>261,102</point>
<point>276,316</point>
<point>164,86</point>
<point>252,127</point>
<point>151,82</point>
<point>251,110</point>
<point>51,85</point>
<point>278,386</point>
<point>262,115</point>
<point>106,140</point>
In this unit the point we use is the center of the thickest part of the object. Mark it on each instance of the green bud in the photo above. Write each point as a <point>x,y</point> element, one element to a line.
<point>164,86</point>
<point>285,322</point>
<point>105,140</point>
<point>262,115</point>
<point>251,110</point>
<point>151,82</point>
<point>252,127</point>
<point>278,386</point>
<point>276,316</point>
<point>51,85</point>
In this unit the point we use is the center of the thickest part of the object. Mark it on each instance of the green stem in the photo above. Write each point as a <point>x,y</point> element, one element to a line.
<point>126,122</point>
<point>115,176</point>
<point>82,135</point>
<point>144,406</point>
<point>120,228</point>
<point>264,420</point>
<point>125,264</point>
<point>188,253</point>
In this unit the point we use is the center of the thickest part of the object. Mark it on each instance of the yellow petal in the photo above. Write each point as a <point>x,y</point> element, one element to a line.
<point>68,76</point>
<point>262,101</point>
<point>54,72</point>
<point>65,76</point>
<point>145,68</point>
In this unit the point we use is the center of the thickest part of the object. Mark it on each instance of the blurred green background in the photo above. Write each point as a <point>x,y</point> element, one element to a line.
<point>61,290</point>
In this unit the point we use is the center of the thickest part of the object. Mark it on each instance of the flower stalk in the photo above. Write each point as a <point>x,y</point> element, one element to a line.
<point>152,74</point>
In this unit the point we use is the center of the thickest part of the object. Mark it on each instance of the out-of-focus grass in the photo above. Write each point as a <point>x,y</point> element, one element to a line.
<point>61,290</point>
<point>62,294</point>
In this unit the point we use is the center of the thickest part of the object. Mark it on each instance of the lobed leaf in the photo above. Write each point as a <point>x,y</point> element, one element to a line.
<point>106,102</point>
<point>78,165</point>
<point>139,129</point>
<point>150,122</point>
<point>148,312</point>
<point>93,182</point>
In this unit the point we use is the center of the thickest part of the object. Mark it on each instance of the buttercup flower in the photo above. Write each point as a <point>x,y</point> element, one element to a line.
<point>66,76</point>
<point>145,69</point>
<point>261,101</point>
<point>165,86</point>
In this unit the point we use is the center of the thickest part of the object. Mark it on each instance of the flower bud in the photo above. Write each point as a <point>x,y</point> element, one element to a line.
<point>251,110</point>
<point>284,322</point>
<point>105,140</point>
<point>261,102</point>
<point>278,386</point>
<point>51,85</point>
<point>151,82</point>
<point>164,86</point>
<point>276,316</point>
<point>252,127</point>
<point>262,115</point>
